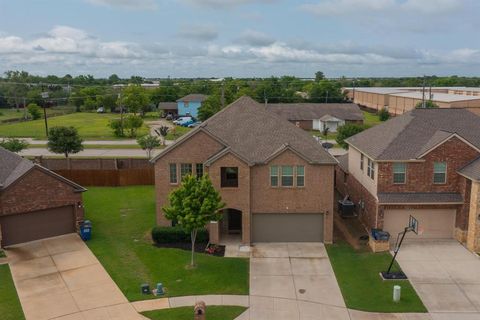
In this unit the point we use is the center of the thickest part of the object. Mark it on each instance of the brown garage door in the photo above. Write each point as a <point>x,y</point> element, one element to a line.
<point>36,225</point>
<point>291,227</point>
<point>436,224</point>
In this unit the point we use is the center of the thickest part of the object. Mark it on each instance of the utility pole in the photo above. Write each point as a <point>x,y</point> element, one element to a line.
<point>265,97</point>
<point>121,112</point>
<point>223,94</point>
<point>423,93</point>
<point>353,97</point>
<point>24,108</point>
<point>326,97</point>
<point>45,96</point>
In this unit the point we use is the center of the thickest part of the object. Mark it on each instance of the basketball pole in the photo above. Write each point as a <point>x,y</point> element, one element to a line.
<point>397,248</point>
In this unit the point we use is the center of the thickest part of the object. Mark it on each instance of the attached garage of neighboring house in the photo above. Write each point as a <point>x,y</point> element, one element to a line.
<point>433,223</point>
<point>287,227</point>
<point>35,203</point>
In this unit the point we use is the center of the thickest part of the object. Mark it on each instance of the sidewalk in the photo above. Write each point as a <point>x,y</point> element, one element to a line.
<point>91,153</point>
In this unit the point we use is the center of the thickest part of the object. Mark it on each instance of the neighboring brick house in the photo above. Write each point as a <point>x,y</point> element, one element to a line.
<point>425,163</point>
<point>317,116</point>
<point>276,180</point>
<point>35,202</point>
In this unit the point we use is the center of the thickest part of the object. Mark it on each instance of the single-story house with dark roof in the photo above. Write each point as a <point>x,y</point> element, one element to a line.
<point>35,203</point>
<point>425,164</point>
<point>317,116</point>
<point>189,105</point>
<point>276,180</point>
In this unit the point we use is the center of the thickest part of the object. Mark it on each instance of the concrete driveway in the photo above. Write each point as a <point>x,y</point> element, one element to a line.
<point>293,281</point>
<point>446,276</point>
<point>59,278</point>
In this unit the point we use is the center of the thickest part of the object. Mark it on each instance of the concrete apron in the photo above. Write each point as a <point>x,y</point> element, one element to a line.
<point>60,278</point>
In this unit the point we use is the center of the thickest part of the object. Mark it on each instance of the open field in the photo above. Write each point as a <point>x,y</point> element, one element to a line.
<point>90,126</point>
<point>122,219</point>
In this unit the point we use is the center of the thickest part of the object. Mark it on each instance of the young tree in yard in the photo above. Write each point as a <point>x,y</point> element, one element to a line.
<point>346,131</point>
<point>193,205</point>
<point>34,111</point>
<point>132,123</point>
<point>64,140</point>
<point>148,143</point>
<point>14,144</point>
<point>135,98</point>
<point>117,127</point>
<point>383,115</point>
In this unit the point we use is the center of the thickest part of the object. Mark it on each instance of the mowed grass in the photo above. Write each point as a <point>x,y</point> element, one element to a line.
<point>185,313</point>
<point>122,220</point>
<point>176,133</point>
<point>11,113</point>
<point>358,276</point>
<point>10,308</point>
<point>371,119</point>
<point>89,125</point>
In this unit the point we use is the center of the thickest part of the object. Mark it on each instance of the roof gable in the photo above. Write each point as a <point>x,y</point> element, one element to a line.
<point>409,136</point>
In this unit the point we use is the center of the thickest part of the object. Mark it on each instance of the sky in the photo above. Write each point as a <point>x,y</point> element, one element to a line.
<point>241,38</point>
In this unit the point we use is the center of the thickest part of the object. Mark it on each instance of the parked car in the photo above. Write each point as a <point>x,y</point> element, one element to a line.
<point>195,124</point>
<point>101,110</point>
<point>181,119</point>
<point>170,116</point>
<point>186,122</point>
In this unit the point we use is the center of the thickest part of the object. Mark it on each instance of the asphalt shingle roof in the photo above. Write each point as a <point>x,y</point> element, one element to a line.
<point>410,135</point>
<point>193,97</point>
<point>167,105</point>
<point>408,198</point>
<point>12,167</point>
<point>255,134</point>
<point>472,170</point>
<point>310,111</point>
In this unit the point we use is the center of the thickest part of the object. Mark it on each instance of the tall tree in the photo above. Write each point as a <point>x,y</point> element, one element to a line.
<point>193,204</point>
<point>135,98</point>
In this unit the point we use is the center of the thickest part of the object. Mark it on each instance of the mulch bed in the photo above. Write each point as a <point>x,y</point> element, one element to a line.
<point>199,247</point>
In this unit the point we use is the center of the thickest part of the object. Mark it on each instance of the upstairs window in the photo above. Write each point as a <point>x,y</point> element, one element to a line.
<point>229,177</point>
<point>287,176</point>
<point>371,169</point>
<point>439,172</point>
<point>361,161</point>
<point>199,169</point>
<point>173,173</point>
<point>274,176</point>
<point>185,169</point>
<point>300,176</point>
<point>399,172</point>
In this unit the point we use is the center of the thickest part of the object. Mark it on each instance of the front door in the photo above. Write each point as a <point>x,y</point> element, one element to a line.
<point>234,221</point>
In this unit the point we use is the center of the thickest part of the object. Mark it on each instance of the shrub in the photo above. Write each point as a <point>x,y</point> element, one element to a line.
<point>346,131</point>
<point>383,115</point>
<point>14,144</point>
<point>117,127</point>
<point>176,234</point>
<point>34,111</point>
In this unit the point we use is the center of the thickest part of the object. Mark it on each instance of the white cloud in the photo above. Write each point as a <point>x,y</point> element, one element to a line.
<point>126,4</point>
<point>220,4</point>
<point>198,32</point>
<point>254,38</point>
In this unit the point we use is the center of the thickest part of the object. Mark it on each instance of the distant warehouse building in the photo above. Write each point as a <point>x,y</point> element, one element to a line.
<point>403,99</point>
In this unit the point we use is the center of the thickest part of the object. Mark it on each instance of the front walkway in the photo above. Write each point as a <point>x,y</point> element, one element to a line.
<point>60,278</point>
<point>445,275</point>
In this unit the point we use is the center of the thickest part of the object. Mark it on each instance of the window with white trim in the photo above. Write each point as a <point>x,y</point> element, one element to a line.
<point>399,172</point>
<point>287,176</point>
<point>300,176</point>
<point>371,169</point>
<point>173,173</point>
<point>439,172</point>
<point>274,176</point>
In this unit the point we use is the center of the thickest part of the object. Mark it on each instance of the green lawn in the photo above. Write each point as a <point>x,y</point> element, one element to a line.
<point>184,313</point>
<point>89,125</point>
<point>10,308</point>
<point>370,119</point>
<point>179,131</point>
<point>357,274</point>
<point>122,219</point>
<point>98,146</point>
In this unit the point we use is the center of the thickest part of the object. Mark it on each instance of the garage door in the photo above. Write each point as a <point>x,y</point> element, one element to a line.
<point>36,225</point>
<point>272,227</point>
<point>436,224</point>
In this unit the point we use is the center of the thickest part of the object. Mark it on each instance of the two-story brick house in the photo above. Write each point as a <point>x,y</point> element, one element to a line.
<point>276,180</point>
<point>425,163</point>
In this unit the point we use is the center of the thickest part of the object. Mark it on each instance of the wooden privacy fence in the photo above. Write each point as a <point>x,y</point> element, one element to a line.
<point>110,178</point>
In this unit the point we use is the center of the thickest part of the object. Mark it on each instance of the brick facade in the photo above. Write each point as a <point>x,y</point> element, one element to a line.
<point>254,193</point>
